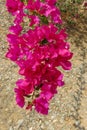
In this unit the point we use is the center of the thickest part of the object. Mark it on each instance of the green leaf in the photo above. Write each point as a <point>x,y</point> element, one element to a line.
<point>44,19</point>
<point>22,0</point>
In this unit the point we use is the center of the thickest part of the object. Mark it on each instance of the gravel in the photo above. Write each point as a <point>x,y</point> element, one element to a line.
<point>68,109</point>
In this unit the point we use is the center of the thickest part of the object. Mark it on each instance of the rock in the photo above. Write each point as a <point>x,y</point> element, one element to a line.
<point>31,128</point>
<point>20,122</point>
<point>11,128</point>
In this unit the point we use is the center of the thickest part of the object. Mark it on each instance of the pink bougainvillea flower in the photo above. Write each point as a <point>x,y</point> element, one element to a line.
<point>25,86</point>
<point>16,29</point>
<point>51,2</point>
<point>34,20</point>
<point>13,51</point>
<point>48,90</point>
<point>33,5</point>
<point>46,8</point>
<point>38,51</point>
<point>41,105</point>
<point>20,97</point>
<point>54,13</point>
<point>14,5</point>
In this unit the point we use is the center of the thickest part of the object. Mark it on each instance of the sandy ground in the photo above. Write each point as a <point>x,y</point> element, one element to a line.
<point>68,109</point>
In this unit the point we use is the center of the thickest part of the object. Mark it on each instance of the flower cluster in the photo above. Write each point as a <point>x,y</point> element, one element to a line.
<point>38,50</point>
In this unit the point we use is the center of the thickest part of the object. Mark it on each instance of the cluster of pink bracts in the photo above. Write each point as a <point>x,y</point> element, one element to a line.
<point>38,51</point>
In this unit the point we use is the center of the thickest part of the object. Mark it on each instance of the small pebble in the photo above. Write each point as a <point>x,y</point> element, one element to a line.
<point>20,122</point>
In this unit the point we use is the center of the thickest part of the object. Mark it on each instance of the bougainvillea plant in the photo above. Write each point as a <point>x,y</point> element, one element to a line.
<point>38,48</point>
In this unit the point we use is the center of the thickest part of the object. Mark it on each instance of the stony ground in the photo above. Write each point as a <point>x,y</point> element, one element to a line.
<point>68,109</point>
